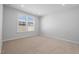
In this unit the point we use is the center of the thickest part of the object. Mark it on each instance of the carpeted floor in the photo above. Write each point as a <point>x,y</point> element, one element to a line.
<point>39,45</point>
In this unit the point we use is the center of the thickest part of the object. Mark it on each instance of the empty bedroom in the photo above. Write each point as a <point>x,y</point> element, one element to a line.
<point>40,28</point>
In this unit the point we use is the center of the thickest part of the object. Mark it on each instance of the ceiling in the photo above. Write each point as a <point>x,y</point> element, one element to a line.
<point>43,9</point>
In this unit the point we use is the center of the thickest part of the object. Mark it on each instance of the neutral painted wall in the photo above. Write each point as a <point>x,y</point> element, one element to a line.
<point>1,10</point>
<point>10,24</point>
<point>62,25</point>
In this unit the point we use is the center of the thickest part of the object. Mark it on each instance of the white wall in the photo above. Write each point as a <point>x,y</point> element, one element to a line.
<point>10,24</point>
<point>62,25</point>
<point>1,10</point>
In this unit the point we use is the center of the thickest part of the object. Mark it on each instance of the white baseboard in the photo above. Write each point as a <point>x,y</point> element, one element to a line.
<point>59,38</point>
<point>75,42</point>
<point>14,38</point>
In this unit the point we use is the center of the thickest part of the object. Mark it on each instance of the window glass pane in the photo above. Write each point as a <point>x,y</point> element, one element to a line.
<point>26,23</point>
<point>30,18</point>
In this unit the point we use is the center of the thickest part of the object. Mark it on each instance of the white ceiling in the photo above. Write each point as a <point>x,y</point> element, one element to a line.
<point>43,9</point>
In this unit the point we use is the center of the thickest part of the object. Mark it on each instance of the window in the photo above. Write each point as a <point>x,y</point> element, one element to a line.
<point>25,24</point>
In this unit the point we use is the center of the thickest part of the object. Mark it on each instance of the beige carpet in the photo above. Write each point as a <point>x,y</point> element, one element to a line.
<point>36,45</point>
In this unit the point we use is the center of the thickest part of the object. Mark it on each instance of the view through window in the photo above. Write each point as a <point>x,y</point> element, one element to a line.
<point>25,24</point>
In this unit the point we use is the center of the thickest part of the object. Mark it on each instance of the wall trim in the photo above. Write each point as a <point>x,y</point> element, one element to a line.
<point>71,41</point>
<point>60,38</point>
<point>15,38</point>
